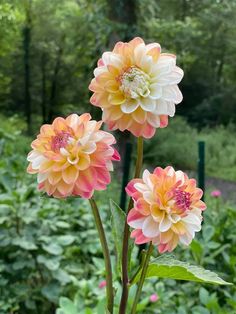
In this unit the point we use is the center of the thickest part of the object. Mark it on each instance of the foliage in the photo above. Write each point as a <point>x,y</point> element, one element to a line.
<point>61,60</point>
<point>202,34</point>
<point>43,241</point>
<point>177,145</point>
<point>169,267</point>
<point>45,244</point>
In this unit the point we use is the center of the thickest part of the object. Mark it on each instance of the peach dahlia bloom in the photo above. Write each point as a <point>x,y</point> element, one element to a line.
<point>72,156</point>
<point>167,208</point>
<point>136,87</point>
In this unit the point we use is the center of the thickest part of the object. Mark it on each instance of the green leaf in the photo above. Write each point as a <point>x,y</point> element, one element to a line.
<point>50,263</point>
<point>203,295</point>
<point>118,218</point>
<point>24,243</point>
<point>53,248</point>
<point>197,250</point>
<point>62,224</point>
<point>101,306</point>
<point>62,276</point>
<point>67,306</point>
<point>65,240</point>
<point>168,267</point>
<point>51,291</point>
<point>208,232</point>
<point>200,310</point>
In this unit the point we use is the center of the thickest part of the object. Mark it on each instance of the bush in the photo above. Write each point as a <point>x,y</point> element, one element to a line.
<point>46,244</point>
<point>177,145</point>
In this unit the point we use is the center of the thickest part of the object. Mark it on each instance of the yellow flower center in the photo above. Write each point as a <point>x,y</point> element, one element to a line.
<point>134,83</point>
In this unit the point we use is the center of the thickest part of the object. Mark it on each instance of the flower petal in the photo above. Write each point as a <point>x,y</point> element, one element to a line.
<point>129,106</point>
<point>150,228</point>
<point>165,224</point>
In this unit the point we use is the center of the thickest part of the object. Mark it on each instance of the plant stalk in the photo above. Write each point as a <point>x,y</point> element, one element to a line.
<point>125,277</point>
<point>102,236</point>
<point>142,278</point>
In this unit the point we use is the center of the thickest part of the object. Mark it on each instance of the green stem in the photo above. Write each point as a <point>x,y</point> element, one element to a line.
<point>125,277</point>
<point>139,161</point>
<point>102,236</point>
<point>142,278</point>
<point>143,256</point>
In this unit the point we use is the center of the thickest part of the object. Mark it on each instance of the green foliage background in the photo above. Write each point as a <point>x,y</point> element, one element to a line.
<point>66,38</point>
<point>51,260</point>
<point>50,257</point>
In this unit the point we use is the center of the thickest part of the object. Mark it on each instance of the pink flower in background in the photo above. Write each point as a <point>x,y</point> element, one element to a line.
<point>154,298</point>
<point>167,208</point>
<point>72,156</point>
<point>102,284</point>
<point>216,193</point>
<point>136,87</point>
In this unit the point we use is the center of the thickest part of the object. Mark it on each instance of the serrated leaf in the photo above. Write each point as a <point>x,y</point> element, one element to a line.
<point>168,267</point>
<point>118,218</point>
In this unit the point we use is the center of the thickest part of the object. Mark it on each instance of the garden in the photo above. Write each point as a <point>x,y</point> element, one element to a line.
<point>78,234</point>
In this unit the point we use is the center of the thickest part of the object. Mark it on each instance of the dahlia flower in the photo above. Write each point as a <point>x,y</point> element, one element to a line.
<point>102,284</point>
<point>154,298</point>
<point>167,208</point>
<point>216,193</point>
<point>72,156</point>
<point>136,87</point>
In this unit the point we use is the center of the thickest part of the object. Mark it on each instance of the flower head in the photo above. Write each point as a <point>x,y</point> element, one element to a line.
<point>154,298</point>
<point>102,284</point>
<point>136,87</point>
<point>72,156</point>
<point>167,208</point>
<point>216,193</point>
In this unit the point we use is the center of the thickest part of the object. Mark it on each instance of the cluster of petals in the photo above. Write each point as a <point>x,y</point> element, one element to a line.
<point>216,193</point>
<point>154,298</point>
<point>72,156</point>
<point>167,208</point>
<point>136,87</point>
<point>102,284</point>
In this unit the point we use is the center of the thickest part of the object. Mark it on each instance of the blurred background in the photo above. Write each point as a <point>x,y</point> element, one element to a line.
<point>48,50</point>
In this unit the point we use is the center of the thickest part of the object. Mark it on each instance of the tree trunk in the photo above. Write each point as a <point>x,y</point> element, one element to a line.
<point>43,90</point>
<point>53,95</point>
<point>26,47</point>
<point>123,12</point>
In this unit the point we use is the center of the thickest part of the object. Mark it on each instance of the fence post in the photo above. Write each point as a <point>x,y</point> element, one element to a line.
<point>201,166</point>
<point>126,171</point>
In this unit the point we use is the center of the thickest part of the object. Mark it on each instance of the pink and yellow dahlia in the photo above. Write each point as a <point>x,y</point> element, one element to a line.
<point>136,87</point>
<point>72,156</point>
<point>167,208</point>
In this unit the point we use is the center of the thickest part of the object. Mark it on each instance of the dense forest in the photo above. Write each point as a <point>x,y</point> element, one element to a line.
<point>48,50</point>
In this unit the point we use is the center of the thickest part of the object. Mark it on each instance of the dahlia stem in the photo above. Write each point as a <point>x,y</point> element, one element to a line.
<point>142,278</point>
<point>139,162</point>
<point>125,277</point>
<point>106,254</point>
